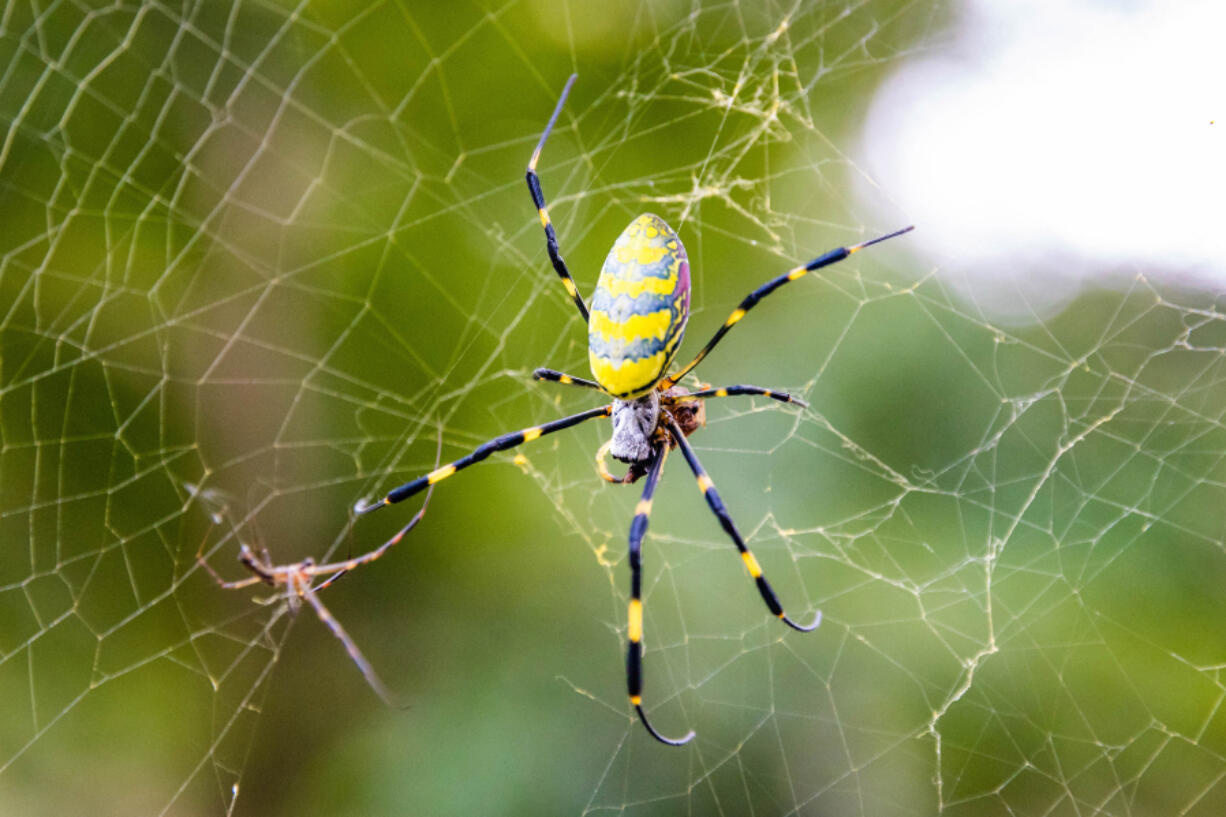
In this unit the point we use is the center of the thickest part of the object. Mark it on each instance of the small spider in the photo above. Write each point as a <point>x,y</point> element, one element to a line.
<point>298,580</point>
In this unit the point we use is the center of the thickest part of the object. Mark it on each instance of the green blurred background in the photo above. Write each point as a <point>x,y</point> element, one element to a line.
<point>258,258</point>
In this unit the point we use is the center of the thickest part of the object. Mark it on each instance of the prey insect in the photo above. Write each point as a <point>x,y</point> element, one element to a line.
<point>635,324</point>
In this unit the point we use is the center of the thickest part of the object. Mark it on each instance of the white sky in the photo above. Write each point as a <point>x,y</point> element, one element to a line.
<point>1067,138</point>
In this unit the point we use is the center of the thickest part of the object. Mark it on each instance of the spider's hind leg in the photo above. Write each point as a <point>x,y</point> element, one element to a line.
<point>634,620</point>
<point>725,520</point>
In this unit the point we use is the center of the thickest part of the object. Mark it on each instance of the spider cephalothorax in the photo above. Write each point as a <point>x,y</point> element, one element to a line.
<point>638,318</point>
<point>635,423</point>
<point>643,428</point>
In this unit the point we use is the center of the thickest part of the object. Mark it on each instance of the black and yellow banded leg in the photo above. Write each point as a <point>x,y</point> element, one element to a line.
<point>717,507</point>
<point>734,391</point>
<point>480,453</point>
<point>553,376</point>
<point>538,199</point>
<point>634,627</point>
<point>751,300</point>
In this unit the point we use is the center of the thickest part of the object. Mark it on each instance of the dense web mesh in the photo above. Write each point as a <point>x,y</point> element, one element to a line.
<point>258,259</point>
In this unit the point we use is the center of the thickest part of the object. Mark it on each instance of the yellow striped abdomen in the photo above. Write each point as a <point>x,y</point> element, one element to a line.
<point>640,308</point>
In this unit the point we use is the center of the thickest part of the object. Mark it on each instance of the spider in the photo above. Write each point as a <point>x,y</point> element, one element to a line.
<point>298,579</point>
<point>637,318</point>
<point>635,325</point>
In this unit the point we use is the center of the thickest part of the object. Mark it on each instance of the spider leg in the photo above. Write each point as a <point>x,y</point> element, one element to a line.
<point>538,199</point>
<point>480,453</point>
<point>634,629</point>
<point>339,569</point>
<point>234,585</point>
<point>261,573</point>
<point>260,564</point>
<point>328,619</point>
<point>761,292</point>
<point>565,379</point>
<point>733,391</point>
<point>717,507</point>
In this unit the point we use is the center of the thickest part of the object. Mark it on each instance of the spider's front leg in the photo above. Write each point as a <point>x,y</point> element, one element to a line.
<point>751,300</point>
<point>538,201</point>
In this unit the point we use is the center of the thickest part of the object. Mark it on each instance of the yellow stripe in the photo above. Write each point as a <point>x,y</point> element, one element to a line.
<point>570,286</point>
<point>653,325</point>
<point>532,433</point>
<point>639,252</point>
<point>704,483</point>
<point>440,474</point>
<point>755,569</point>
<point>636,700</point>
<point>736,315</point>
<point>635,288</point>
<point>565,380</point>
<point>721,392</point>
<point>635,630</point>
<point>799,272</point>
<point>544,214</point>
<point>643,508</point>
<point>628,378</point>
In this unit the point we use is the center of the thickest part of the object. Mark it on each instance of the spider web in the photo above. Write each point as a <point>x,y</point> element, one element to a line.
<point>259,258</point>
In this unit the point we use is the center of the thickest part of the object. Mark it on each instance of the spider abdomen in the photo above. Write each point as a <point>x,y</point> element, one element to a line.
<point>640,308</point>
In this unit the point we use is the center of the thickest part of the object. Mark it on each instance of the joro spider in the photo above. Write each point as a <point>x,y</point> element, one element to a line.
<point>635,324</point>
